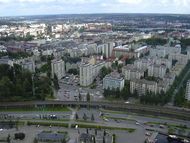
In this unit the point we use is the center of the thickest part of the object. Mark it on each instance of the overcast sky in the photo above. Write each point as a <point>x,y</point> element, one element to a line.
<point>37,7</point>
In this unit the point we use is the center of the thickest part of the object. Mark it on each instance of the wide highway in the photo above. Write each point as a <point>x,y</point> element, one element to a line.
<point>121,106</point>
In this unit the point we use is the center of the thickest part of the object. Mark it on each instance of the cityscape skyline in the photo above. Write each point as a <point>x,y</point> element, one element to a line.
<point>42,7</point>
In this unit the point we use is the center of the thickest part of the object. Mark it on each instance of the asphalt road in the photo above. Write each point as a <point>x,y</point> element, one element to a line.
<point>68,117</point>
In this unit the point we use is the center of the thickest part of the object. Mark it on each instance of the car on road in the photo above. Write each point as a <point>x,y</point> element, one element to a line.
<point>105,119</point>
<point>127,102</point>
<point>137,123</point>
<point>162,126</point>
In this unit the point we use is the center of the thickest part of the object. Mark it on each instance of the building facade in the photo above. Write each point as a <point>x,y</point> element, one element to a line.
<point>142,86</point>
<point>130,72</point>
<point>58,68</point>
<point>188,91</point>
<point>157,70</point>
<point>29,65</point>
<point>90,69</point>
<point>113,81</point>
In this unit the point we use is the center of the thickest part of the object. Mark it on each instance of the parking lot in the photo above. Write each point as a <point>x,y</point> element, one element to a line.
<point>70,89</point>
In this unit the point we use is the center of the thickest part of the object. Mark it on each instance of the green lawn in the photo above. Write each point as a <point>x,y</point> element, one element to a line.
<point>116,118</point>
<point>80,125</point>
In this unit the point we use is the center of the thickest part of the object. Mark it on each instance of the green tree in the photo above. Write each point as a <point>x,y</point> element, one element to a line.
<point>80,97</point>
<point>104,140</point>
<point>104,71</point>
<point>94,139</point>
<point>73,71</point>
<point>113,138</point>
<point>88,97</point>
<point>92,117</point>
<point>8,138</point>
<point>35,140</point>
<point>56,82</point>
<point>85,117</point>
<point>76,116</point>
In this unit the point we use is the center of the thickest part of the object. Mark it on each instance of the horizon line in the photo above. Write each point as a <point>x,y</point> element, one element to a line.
<point>106,13</point>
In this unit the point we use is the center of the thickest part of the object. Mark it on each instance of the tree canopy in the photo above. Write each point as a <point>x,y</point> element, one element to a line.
<point>16,84</point>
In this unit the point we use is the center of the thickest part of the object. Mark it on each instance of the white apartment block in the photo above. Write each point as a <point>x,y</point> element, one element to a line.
<point>108,49</point>
<point>143,64</point>
<point>92,48</point>
<point>105,49</point>
<point>142,85</point>
<point>176,70</point>
<point>159,51</point>
<point>181,58</point>
<point>141,50</point>
<point>58,68</point>
<point>163,86</point>
<point>89,70</point>
<point>162,51</point>
<point>86,77</point>
<point>163,61</point>
<point>188,91</point>
<point>169,78</point>
<point>188,53</point>
<point>157,70</point>
<point>130,72</point>
<point>113,81</point>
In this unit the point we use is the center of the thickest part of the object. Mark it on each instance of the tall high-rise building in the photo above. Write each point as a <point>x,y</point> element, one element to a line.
<point>188,91</point>
<point>90,69</point>
<point>58,68</point>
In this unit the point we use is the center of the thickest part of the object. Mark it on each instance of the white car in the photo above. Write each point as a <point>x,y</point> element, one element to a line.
<point>127,102</point>
<point>137,123</point>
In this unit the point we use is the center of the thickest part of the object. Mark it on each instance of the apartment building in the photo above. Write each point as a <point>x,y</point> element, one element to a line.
<point>130,72</point>
<point>155,70</point>
<point>58,68</point>
<point>113,81</point>
<point>142,85</point>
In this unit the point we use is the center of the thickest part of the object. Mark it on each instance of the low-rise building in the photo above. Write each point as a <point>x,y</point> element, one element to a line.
<point>50,137</point>
<point>3,49</point>
<point>6,60</point>
<point>113,81</point>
